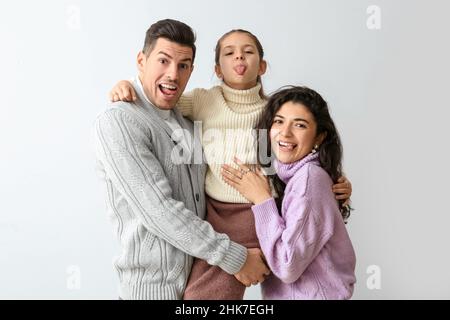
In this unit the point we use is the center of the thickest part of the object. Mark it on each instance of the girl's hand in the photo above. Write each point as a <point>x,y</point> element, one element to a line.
<point>122,91</point>
<point>254,186</point>
<point>343,190</point>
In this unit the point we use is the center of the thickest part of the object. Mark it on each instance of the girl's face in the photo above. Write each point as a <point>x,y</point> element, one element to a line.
<point>239,61</point>
<point>293,132</point>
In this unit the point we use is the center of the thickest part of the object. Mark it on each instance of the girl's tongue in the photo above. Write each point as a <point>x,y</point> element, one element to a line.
<point>240,70</point>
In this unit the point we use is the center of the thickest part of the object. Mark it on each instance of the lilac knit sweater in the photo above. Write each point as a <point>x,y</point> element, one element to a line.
<point>307,247</point>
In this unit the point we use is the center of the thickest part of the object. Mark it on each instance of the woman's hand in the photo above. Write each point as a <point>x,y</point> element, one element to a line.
<point>254,186</point>
<point>122,91</point>
<point>343,190</point>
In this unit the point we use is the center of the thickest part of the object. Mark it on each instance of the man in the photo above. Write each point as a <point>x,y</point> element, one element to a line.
<point>157,206</point>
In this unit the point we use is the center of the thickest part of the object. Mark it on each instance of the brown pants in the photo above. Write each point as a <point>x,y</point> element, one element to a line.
<point>208,282</point>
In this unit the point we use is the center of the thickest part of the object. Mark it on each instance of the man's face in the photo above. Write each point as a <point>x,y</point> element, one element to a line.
<point>165,72</point>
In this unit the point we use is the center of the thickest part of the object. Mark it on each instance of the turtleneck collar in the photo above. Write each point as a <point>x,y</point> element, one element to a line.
<point>242,99</point>
<point>287,170</point>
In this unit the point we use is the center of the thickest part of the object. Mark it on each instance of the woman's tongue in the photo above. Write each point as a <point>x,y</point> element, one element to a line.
<point>240,70</point>
<point>287,147</point>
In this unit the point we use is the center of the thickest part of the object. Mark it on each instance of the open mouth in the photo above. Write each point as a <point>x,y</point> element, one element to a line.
<point>286,146</point>
<point>168,89</point>
<point>240,69</point>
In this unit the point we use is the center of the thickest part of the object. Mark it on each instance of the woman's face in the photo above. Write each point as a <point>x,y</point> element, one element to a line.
<point>293,132</point>
<point>239,61</point>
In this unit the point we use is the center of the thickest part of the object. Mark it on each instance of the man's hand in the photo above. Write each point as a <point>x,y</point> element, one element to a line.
<point>343,190</point>
<point>254,268</point>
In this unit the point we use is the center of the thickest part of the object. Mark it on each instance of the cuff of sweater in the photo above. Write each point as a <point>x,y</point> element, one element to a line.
<point>265,212</point>
<point>234,259</point>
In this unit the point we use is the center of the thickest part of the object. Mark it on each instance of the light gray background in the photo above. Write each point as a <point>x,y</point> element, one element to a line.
<point>387,89</point>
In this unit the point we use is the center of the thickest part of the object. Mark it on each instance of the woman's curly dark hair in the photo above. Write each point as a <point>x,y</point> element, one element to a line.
<point>330,151</point>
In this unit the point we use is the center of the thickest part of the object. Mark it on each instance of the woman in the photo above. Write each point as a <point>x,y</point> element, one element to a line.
<point>304,239</point>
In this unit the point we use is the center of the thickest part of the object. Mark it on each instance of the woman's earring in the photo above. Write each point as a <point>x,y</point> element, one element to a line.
<point>314,150</point>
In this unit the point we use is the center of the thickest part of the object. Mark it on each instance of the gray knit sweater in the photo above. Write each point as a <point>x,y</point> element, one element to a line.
<point>156,207</point>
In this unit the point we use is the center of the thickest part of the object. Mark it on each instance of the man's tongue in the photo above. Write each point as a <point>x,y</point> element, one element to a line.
<point>167,91</point>
<point>240,70</point>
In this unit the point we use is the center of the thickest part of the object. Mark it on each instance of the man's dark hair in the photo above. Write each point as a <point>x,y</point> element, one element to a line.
<point>171,30</point>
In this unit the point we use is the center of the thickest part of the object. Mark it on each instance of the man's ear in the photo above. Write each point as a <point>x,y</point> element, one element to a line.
<point>218,72</point>
<point>141,61</point>
<point>262,67</point>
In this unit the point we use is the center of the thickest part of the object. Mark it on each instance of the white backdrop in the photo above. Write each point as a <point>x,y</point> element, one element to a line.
<point>386,78</point>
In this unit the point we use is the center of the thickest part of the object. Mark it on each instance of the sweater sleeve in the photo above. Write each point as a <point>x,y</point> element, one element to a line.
<point>186,104</point>
<point>124,148</point>
<point>292,242</point>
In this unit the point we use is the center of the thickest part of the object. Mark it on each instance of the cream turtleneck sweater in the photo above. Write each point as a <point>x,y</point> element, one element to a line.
<point>228,118</point>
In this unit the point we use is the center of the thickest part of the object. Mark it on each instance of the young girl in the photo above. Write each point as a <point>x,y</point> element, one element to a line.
<point>306,244</point>
<point>228,113</point>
